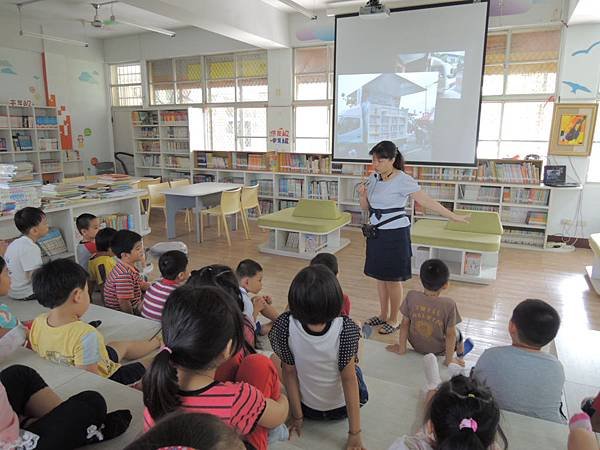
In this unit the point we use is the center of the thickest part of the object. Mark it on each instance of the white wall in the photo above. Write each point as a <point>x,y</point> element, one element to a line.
<point>583,69</point>
<point>75,76</point>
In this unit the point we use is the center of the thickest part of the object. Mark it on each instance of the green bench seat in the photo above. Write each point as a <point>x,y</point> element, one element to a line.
<point>482,234</point>
<point>310,216</point>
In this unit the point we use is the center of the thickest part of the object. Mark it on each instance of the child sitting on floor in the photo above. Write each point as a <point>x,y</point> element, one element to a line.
<point>173,268</point>
<point>318,351</point>
<point>12,333</point>
<point>88,226</point>
<point>23,255</point>
<point>523,378</point>
<point>104,261</point>
<point>250,276</point>
<point>461,414</point>
<point>223,277</point>
<point>60,335</point>
<point>123,287</point>
<point>179,431</point>
<point>32,416</point>
<point>429,320</point>
<point>330,261</point>
<point>202,328</point>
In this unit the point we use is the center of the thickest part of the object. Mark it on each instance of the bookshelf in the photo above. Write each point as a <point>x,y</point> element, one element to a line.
<point>30,134</point>
<point>510,187</point>
<point>161,144</point>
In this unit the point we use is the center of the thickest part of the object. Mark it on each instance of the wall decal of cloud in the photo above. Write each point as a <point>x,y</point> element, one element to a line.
<point>8,71</point>
<point>86,77</point>
<point>5,63</point>
<point>323,33</point>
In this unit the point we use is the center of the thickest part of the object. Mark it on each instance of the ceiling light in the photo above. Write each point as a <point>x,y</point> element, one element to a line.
<point>301,9</point>
<point>46,37</point>
<point>148,28</point>
<point>49,37</point>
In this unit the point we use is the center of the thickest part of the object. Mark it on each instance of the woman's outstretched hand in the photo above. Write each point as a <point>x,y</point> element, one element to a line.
<point>461,218</point>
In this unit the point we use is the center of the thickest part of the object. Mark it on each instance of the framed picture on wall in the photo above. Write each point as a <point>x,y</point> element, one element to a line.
<point>572,129</point>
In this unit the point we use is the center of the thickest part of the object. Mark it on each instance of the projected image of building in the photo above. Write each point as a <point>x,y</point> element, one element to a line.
<point>449,66</point>
<point>394,107</point>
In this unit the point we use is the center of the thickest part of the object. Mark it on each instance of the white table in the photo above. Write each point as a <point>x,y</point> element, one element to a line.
<point>194,196</point>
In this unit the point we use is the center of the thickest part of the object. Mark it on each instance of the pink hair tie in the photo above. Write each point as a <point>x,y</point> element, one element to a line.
<point>468,423</point>
<point>164,347</point>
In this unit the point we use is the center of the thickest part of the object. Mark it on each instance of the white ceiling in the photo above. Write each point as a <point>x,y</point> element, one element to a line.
<point>586,11</point>
<point>67,16</point>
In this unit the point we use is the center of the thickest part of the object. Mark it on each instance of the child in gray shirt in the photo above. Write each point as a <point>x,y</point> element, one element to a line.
<point>522,378</point>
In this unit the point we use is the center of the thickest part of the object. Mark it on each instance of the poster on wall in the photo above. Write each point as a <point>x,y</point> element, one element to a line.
<point>279,121</point>
<point>572,129</point>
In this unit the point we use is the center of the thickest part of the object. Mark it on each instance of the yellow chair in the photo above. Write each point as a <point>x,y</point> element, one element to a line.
<point>230,204</point>
<point>250,201</point>
<point>145,198</point>
<point>188,211</point>
<point>157,198</point>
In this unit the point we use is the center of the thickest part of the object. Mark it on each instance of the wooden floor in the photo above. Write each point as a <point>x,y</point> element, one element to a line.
<point>557,278</point>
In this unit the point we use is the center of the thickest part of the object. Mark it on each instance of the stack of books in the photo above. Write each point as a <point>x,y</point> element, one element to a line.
<point>18,171</point>
<point>58,194</point>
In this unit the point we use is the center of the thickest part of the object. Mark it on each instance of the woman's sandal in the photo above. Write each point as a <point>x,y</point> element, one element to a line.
<point>388,329</point>
<point>374,321</point>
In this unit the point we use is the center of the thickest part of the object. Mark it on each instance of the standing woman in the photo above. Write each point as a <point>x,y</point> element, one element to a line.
<point>385,195</point>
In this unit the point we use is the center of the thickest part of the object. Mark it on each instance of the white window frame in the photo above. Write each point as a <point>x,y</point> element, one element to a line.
<point>118,85</point>
<point>518,98</point>
<point>328,102</point>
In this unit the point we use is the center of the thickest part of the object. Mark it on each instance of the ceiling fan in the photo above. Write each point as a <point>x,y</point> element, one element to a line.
<point>97,22</point>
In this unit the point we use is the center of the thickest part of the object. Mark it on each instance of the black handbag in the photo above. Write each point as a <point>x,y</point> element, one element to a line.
<point>371,231</point>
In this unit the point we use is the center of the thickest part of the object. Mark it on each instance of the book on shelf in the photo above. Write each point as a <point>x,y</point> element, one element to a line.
<point>479,193</point>
<point>291,187</point>
<point>509,171</point>
<point>257,162</point>
<point>517,236</point>
<point>3,121</point>
<point>284,204</point>
<point>52,243</point>
<point>3,145</point>
<point>179,116</point>
<point>266,207</point>
<point>204,178</point>
<point>538,197</point>
<point>314,242</point>
<point>144,117</point>
<point>240,161</point>
<point>537,218</point>
<point>176,162</point>
<point>46,121</point>
<point>472,207</point>
<point>324,190</point>
<point>117,221</point>
<point>265,187</point>
<point>472,264</point>
<point>22,142</point>
<point>293,240</point>
<point>21,121</point>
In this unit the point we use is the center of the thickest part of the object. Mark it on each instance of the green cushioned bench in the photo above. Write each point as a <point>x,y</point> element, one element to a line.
<point>470,249</point>
<point>593,271</point>
<point>312,226</point>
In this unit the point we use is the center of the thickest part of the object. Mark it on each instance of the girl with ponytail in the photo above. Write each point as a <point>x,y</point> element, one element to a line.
<point>385,195</point>
<point>461,415</point>
<point>224,277</point>
<point>202,329</point>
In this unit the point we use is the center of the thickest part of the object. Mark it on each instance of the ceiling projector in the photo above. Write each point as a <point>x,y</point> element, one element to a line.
<point>374,10</point>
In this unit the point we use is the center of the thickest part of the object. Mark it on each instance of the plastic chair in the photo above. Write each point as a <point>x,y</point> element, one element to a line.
<point>145,199</point>
<point>157,198</point>
<point>230,204</point>
<point>250,201</point>
<point>188,211</point>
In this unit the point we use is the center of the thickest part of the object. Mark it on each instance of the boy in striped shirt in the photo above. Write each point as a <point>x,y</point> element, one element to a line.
<point>173,268</point>
<point>124,285</point>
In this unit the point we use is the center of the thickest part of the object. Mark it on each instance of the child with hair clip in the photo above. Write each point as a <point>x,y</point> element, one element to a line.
<point>201,329</point>
<point>224,277</point>
<point>461,415</point>
<point>189,431</point>
<point>318,351</point>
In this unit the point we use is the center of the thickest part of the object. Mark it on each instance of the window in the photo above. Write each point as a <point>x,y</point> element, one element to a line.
<point>237,129</point>
<point>161,78</point>
<point>519,78</point>
<point>126,84</point>
<point>237,78</point>
<point>313,98</point>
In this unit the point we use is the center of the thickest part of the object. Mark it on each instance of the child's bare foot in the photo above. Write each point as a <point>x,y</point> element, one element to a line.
<point>395,348</point>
